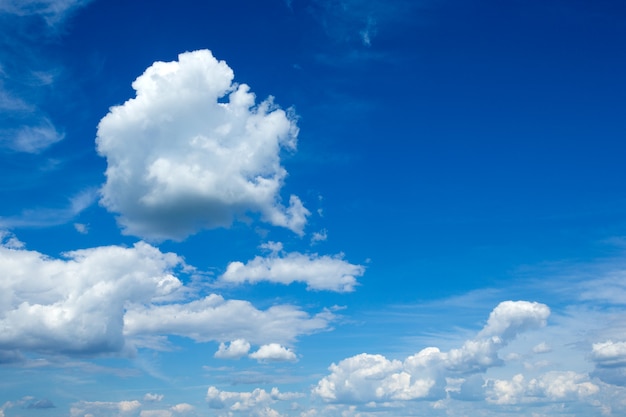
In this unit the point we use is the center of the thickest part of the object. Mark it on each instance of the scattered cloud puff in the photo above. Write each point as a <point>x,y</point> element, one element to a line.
<point>150,397</point>
<point>320,236</point>
<point>331,273</point>
<point>364,378</point>
<point>255,403</point>
<point>234,350</point>
<point>192,150</point>
<point>112,299</point>
<point>274,352</point>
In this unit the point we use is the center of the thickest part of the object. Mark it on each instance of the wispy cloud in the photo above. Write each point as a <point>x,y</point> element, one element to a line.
<point>28,73</point>
<point>45,217</point>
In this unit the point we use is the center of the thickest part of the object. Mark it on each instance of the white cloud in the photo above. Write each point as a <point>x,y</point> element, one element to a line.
<point>180,158</point>
<point>77,304</point>
<point>512,317</point>
<point>150,397</point>
<point>325,272</point>
<point>365,378</point>
<point>320,236</point>
<point>26,75</point>
<point>235,350</point>
<point>104,408</point>
<point>551,386</point>
<point>81,228</point>
<point>274,352</point>
<point>182,408</point>
<point>112,299</point>
<point>610,361</point>
<point>31,138</point>
<point>254,403</point>
<point>609,353</point>
<point>213,318</point>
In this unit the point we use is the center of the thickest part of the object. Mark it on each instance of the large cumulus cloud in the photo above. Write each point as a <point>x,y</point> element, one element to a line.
<point>192,150</point>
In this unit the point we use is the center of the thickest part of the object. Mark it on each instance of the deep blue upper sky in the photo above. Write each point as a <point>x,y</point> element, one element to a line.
<point>451,155</point>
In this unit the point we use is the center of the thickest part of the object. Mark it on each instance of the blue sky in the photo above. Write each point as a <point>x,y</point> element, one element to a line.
<point>312,208</point>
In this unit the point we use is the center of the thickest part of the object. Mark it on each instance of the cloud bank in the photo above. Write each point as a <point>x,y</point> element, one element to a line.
<point>373,378</point>
<point>192,150</point>
<point>111,299</point>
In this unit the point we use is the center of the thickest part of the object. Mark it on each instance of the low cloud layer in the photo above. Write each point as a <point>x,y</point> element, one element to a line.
<point>365,378</point>
<point>192,150</point>
<point>110,299</point>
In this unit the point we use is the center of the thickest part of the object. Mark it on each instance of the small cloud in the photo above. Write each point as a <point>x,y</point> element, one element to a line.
<point>274,352</point>
<point>235,350</point>
<point>330,273</point>
<point>152,398</point>
<point>320,236</point>
<point>182,408</point>
<point>81,228</point>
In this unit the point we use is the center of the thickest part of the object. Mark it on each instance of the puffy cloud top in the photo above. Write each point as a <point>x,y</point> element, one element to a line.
<point>274,352</point>
<point>108,299</point>
<point>366,377</point>
<point>193,151</point>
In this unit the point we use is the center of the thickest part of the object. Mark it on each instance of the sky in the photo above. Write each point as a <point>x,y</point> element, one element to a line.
<point>312,208</point>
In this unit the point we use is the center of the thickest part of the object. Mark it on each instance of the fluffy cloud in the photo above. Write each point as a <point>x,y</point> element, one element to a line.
<point>108,299</point>
<point>330,273</point>
<point>192,150</point>
<point>609,353</point>
<point>610,360</point>
<point>215,319</point>
<point>365,377</point>
<point>235,349</point>
<point>274,352</point>
<point>255,403</point>
<point>150,397</point>
<point>551,386</point>
<point>77,304</point>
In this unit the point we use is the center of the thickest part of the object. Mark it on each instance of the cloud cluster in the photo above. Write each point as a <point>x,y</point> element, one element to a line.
<point>331,273</point>
<point>106,299</point>
<point>365,378</point>
<point>192,150</point>
<point>551,386</point>
<point>255,403</point>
